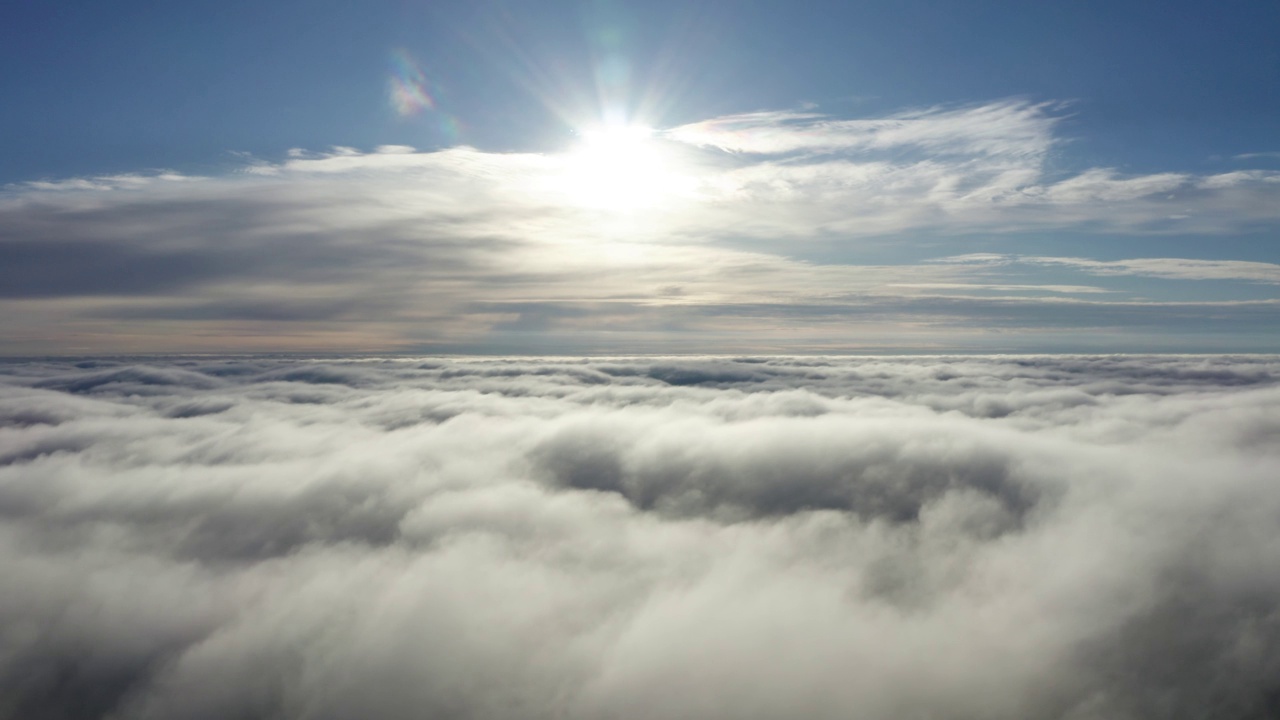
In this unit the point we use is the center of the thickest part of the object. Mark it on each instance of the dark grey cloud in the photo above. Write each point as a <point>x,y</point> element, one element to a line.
<point>988,537</point>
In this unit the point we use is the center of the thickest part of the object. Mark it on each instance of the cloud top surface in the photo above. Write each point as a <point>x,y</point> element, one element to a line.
<point>682,537</point>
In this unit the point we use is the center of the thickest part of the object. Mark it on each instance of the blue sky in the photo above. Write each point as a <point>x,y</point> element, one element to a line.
<point>816,177</point>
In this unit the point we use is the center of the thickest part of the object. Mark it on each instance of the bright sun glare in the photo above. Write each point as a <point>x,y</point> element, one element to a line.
<point>620,167</point>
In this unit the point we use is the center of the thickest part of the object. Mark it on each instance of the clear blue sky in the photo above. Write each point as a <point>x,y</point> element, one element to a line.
<point>1113,93</point>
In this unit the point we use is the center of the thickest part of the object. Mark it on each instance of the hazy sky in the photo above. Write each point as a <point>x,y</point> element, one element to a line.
<point>628,177</point>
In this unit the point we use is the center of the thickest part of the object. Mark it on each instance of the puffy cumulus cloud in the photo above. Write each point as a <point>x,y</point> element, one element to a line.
<point>759,537</point>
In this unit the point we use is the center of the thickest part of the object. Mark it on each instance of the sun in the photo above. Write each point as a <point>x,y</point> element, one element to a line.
<point>620,167</point>
<point>610,139</point>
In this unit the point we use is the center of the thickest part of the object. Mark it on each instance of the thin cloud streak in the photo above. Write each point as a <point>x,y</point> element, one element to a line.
<point>1004,129</point>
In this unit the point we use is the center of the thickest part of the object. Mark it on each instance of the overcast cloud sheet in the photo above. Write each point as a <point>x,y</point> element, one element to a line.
<point>1029,537</point>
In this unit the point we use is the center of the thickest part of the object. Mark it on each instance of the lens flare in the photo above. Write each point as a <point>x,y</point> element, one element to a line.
<point>412,92</point>
<point>408,88</point>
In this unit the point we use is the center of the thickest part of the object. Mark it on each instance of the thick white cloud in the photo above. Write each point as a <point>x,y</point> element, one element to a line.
<point>1022,537</point>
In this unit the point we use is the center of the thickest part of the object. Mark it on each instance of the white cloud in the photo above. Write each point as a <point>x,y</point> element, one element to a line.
<point>1101,185</point>
<point>661,537</point>
<point>1255,155</point>
<point>124,181</point>
<point>1003,129</point>
<point>397,249</point>
<point>1240,177</point>
<point>952,169</point>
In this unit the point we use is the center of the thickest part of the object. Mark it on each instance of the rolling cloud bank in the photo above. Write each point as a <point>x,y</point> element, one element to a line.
<point>958,537</point>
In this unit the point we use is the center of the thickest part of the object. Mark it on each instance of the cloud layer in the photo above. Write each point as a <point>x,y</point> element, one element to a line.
<point>1030,537</point>
<point>753,232</point>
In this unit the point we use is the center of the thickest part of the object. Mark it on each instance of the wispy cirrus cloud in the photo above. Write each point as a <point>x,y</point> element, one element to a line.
<point>972,169</point>
<point>1257,155</point>
<point>126,181</point>
<point>1004,129</point>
